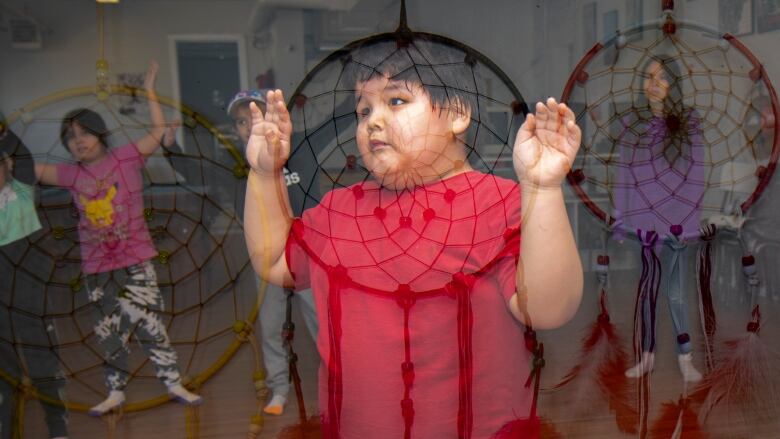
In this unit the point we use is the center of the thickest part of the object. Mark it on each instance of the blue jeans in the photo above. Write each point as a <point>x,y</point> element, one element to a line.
<point>674,269</point>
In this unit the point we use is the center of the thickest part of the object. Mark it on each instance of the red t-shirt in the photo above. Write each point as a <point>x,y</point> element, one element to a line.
<point>412,291</point>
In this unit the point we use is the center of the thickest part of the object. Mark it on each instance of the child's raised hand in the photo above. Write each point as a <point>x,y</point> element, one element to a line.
<point>169,137</point>
<point>546,145</point>
<point>151,75</point>
<point>269,142</point>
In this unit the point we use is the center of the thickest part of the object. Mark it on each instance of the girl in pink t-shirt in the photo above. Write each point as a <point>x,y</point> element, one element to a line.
<point>116,247</point>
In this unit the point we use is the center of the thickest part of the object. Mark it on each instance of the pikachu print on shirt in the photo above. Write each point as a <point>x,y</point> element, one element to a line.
<point>103,213</point>
<point>100,211</point>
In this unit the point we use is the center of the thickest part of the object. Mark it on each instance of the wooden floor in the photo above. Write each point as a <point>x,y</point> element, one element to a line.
<point>229,397</point>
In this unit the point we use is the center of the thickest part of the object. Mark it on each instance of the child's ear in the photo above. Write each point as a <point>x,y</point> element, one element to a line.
<point>461,119</point>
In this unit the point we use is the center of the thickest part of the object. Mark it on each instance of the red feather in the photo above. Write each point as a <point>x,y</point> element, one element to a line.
<point>613,379</point>
<point>740,393</point>
<point>529,428</point>
<point>677,421</point>
<point>602,365</point>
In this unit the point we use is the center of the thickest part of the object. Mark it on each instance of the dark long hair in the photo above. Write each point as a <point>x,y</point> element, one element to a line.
<point>681,121</point>
<point>673,102</point>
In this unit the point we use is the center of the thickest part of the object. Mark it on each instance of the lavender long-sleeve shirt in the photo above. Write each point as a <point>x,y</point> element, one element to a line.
<point>660,179</point>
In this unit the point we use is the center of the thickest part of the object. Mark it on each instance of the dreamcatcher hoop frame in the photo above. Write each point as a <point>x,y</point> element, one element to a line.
<point>240,327</point>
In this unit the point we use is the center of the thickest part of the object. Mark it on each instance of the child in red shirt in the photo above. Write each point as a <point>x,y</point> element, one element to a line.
<point>420,290</point>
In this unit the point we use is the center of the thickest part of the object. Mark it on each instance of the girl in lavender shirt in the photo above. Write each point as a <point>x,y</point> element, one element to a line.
<point>659,187</point>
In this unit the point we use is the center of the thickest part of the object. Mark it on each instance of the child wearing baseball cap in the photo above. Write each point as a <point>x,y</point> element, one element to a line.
<point>272,311</point>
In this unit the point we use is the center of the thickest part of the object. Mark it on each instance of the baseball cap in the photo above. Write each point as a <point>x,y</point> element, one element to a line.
<point>246,96</point>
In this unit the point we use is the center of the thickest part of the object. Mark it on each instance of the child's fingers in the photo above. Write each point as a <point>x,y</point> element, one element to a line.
<point>563,118</point>
<point>571,125</point>
<point>269,106</point>
<point>567,113</point>
<point>574,136</point>
<point>569,140</point>
<point>554,117</point>
<point>151,73</point>
<point>284,121</point>
<point>272,106</point>
<point>526,130</point>
<point>257,114</point>
<point>541,116</point>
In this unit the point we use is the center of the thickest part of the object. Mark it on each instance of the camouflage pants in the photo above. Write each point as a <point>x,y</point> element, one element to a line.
<point>127,302</point>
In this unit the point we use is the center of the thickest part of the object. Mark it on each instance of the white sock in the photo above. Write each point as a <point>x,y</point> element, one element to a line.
<point>184,396</point>
<point>644,366</point>
<point>688,370</point>
<point>276,405</point>
<point>115,400</point>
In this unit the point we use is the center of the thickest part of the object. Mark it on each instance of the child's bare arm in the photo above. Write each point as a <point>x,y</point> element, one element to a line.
<point>46,173</point>
<point>549,273</point>
<point>267,212</point>
<point>148,144</point>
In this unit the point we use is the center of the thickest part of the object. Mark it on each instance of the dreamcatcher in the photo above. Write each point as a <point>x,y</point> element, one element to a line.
<point>208,288</point>
<point>678,134</point>
<point>360,241</point>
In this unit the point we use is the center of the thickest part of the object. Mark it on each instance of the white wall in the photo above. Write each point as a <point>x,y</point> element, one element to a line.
<point>135,32</point>
<point>535,42</point>
<point>288,49</point>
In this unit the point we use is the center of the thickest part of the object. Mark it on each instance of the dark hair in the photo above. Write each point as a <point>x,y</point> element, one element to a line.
<point>674,97</point>
<point>88,120</point>
<point>245,104</point>
<point>443,71</point>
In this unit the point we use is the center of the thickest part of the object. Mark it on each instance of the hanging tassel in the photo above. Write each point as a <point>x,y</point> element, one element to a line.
<point>677,421</point>
<point>644,319</point>
<point>600,374</point>
<point>532,427</point>
<point>706,309</point>
<point>307,427</point>
<point>647,295</point>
